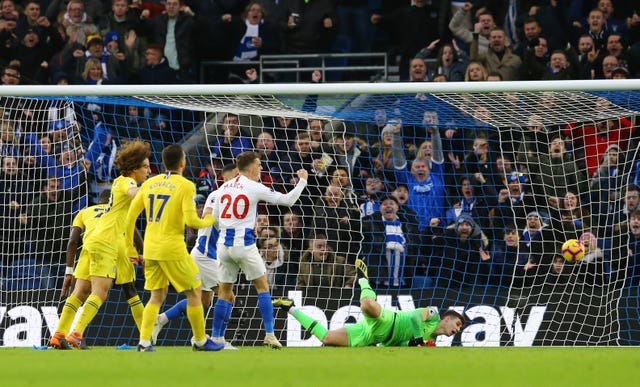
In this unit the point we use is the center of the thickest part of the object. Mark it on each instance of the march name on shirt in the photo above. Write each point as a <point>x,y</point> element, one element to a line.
<point>233,184</point>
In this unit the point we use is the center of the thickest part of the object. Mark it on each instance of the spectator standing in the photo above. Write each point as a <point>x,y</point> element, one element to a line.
<point>321,267</point>
<point>464,255</point>
<point>476,72</point>
<point>307,26</point>
<point>391,245</point>
<point>274,258</point>
<point>425,180</point>
<point>552,172</point>
<point>173,30</point>
<point>498,57</point>
<point>337,221</point>
<point>92,73</point>
<point>293,239</point>
<point>78,21</point>
<point>231,141</point>
<point>410,26</point>
<point>156,70</point>
<point>450,60</point>
<point>252,34</point>
<point>33,54</point>
<point>591,141</point>
<point>462,19</point>
<point>47,219</point>
<point>11,75</point>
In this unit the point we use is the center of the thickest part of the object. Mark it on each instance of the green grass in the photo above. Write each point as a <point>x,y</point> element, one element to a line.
<point>394,367</point>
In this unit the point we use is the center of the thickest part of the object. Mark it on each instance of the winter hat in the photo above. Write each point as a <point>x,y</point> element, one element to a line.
<point>112,36</point>
<point>94,38</point>
<point>521,177</point>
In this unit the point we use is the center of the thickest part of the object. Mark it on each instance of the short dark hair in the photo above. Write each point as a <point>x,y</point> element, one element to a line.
<point>171,156</point>
<point>454,314</point>
<point>495,74</point>
<point>229,167</point>
<point>245,159</point>
<point>389,197</point>
<point>155,47</point>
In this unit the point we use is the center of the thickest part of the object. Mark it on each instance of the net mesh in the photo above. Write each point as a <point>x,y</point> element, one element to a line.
<point>486,188</point>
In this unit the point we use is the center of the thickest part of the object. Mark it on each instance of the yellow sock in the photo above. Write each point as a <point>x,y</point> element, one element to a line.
<point>137,309</point>
<point>89,311</point>
<point>195,314</point>
<point>69,311</point>
<point>148,318</point>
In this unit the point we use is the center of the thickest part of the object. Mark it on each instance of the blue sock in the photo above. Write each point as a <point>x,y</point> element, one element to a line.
<point>227,316</point>
<point>266,310</point>
<point>219,314</point>
<point>178,310</point>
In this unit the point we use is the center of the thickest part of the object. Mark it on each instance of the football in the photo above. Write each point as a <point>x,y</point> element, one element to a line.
<point>572,250</point>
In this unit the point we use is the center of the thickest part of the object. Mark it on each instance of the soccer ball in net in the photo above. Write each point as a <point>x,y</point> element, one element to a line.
<point>572,250</point>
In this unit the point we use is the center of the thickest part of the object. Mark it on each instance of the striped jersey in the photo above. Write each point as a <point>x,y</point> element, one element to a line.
<point>235,206</point>
<point>208,236</point>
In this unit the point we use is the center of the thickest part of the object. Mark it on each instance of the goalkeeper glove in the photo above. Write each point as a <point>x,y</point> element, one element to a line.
<point>416,342</point>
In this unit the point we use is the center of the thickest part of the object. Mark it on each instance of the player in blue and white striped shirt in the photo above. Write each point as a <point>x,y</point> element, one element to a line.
<point>235,209</point>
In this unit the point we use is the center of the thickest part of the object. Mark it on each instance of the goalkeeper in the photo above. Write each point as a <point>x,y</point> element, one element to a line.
<point>380,325</point>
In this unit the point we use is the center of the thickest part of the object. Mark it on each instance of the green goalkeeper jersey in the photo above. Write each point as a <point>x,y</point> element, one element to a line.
<point>409,325</point>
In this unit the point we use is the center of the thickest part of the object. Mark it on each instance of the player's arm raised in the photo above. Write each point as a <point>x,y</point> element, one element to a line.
<point>290,198</point>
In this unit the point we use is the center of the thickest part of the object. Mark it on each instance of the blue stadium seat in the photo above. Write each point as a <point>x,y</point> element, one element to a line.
<point>23,274</point>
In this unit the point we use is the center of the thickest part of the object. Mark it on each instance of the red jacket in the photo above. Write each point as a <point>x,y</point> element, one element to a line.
<point>595,144</point>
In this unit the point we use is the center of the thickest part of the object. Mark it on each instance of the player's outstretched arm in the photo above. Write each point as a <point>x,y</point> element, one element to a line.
<point>288,199</point>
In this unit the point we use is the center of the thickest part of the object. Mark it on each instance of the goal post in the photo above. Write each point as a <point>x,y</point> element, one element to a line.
<point>457,195</point>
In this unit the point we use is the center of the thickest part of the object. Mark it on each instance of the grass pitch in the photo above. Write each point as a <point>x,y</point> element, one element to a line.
<point>253,366</point>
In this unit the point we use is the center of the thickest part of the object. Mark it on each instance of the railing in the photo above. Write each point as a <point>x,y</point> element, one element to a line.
<point>302,63</point>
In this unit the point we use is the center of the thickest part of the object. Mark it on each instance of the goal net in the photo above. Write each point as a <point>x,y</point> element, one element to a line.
<point>456,197</point>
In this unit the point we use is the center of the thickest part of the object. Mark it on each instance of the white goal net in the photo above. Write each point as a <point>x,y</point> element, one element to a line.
<point>455,196</point>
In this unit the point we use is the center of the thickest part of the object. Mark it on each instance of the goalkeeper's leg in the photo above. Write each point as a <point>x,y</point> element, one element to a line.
<point>309,323</point>
<point>368,303</point>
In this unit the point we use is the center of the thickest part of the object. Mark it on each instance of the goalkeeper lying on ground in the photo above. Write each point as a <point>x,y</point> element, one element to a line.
<point>380,325</point>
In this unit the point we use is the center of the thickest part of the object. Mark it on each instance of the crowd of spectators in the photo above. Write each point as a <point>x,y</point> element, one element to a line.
<point>423,204</point>
<point>151,42</point>
<point>452,208</point>
<point>462,212</point>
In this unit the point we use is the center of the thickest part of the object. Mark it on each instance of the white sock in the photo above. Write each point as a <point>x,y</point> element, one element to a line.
<point>162,319</point>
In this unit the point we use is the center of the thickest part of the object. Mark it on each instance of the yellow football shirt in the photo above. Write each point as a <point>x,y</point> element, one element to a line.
<point>168,203</point>
<point>88,217</point>
<point>110,229</point>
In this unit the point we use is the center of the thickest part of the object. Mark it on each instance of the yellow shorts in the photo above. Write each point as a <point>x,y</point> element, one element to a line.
<point>183,274</point>
<point>125,270</point>
<point>82,267</point>
<point>102,262</point>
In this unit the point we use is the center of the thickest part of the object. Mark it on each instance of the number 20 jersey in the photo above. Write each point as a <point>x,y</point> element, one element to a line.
<point>235,206</point>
